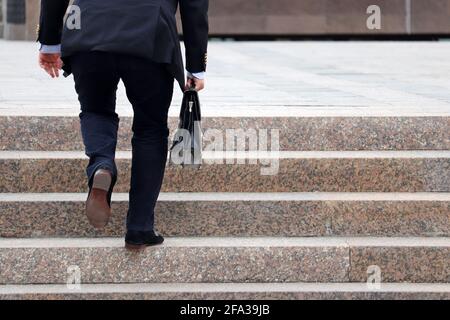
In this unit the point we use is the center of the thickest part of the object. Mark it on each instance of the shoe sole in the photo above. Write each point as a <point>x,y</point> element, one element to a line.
<point>98,211</point>
<point>139,247</point>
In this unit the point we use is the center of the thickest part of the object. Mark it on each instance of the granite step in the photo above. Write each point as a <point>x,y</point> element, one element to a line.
<point>25,215</point>
<point>229,291</point>
<point>223,260</point>
<point>62,133</point>
<point>285,171</point>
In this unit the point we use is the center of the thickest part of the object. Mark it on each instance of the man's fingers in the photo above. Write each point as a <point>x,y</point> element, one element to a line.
<point>60,64</point>
<point>56,71</point>
<point>51,63</point>
<point>189,83</point>
<point>200,85</point>
<point>49,70</point>
<point>44,65</point>
<point>197,84</point>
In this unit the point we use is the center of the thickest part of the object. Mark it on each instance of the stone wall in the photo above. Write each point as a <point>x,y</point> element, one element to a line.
<point>291,17</point>
<point>20,19</point>
<point>1,18</point>
<point>318,17</point>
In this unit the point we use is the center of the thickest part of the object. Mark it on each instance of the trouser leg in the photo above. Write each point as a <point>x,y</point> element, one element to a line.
<point>149,88</point>
<point>96,81</point>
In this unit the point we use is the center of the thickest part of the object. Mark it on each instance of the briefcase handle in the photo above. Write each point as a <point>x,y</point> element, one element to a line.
<point>191,88</point>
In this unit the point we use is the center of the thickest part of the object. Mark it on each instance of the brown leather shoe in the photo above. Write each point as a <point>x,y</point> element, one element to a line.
<point>98,210</point>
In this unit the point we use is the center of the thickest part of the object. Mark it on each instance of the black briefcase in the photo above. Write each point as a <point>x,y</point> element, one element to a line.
<point>186,148</point>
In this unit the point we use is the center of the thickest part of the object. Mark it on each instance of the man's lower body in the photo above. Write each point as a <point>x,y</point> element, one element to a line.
<point>149,88</point>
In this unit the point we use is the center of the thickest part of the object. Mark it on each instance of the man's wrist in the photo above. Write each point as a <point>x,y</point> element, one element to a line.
<point>196,75</point>
<point>50,48</point>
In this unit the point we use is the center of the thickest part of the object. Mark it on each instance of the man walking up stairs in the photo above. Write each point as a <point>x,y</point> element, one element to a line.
<point>357,208</point>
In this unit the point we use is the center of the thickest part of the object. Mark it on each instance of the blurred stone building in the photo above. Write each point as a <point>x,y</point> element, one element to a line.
<point>1,18</point>
<point>250,18</point>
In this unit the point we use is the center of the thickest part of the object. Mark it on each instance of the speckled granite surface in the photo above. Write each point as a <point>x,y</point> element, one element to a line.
<point>237,218</point>
<point>294,175</point>
<point>296,133</point>
<point>235,296</point>
<point>414,264</point>
<point>175,264</point>
<point>281,261</point>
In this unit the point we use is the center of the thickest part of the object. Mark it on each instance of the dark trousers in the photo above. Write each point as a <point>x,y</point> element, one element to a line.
<point>149,88</point>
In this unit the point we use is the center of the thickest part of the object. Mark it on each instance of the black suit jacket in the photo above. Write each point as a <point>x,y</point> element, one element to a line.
<point>162,32</point>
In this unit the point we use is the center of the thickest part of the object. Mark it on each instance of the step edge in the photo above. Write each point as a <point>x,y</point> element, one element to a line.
<point>241,196</point>
<point>238,111</point>
<point>236,242</point>
<point>5,112</point>
<point>363,154</point>
<point>225,287</point>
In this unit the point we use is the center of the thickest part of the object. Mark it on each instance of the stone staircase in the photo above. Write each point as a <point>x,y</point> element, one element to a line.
<point>353,196</point>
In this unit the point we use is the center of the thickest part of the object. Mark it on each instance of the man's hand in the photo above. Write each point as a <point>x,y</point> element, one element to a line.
<point>198,84</point>
<point>51,63</point>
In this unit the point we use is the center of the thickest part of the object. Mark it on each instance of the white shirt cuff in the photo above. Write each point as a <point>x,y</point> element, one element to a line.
<point>198,75</point>
<point>50,49</point>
